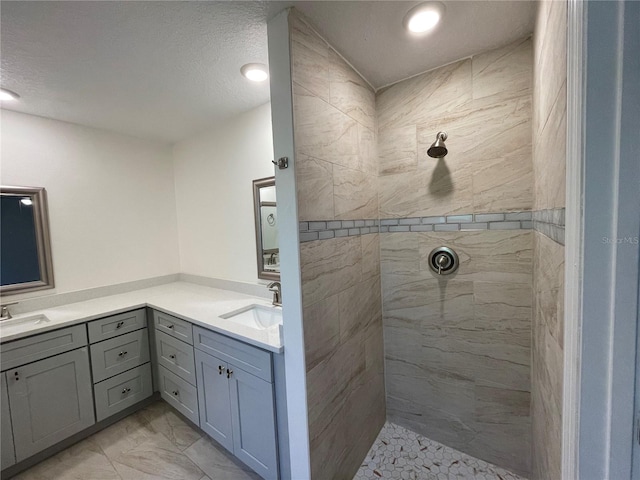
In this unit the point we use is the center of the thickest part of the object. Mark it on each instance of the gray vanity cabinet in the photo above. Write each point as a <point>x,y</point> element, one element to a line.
<point>50,400</point>
<point>8,451</point>
<point>236,399</point>
<point>214,399</point>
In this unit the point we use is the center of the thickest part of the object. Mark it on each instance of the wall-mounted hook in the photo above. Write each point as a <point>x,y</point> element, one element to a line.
<point>282,162</point>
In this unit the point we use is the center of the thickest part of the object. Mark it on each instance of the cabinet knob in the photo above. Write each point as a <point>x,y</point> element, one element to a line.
<point>220,369</point>
<point>126,390</point>
<point>172,357</point>
<point>122,354</point>
<point>16,376</point>
<point>175,392</point>
<point>170,327</point>
<point>229,373</point>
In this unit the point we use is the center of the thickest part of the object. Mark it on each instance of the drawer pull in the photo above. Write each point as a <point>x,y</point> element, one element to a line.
<point>17,376</point>
<point>172,357</point>
<point>122,354</point>
<point>175,393</point>
<point>220,369</point>
<point>119,325</point>
<point>229,373</point>
<point>170,327</point>
<point>126,390</point>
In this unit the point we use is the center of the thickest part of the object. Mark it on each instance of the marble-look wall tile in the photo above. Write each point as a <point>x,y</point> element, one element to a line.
<point>397,149</point>
<point>367,150</point>
<point>458,348</point>
<point>322,330</point>
<point>504,71</point>
<point>370,255</point>
<point>310,57</point>
<point>354,194</point>
<point>350,93</point>
<point>314,182</point>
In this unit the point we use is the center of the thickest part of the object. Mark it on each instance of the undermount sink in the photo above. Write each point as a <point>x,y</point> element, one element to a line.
<point>256,316</point>
<point>14,325</point>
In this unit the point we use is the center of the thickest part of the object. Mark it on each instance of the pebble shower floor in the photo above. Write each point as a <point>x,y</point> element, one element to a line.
<point>401,453</point>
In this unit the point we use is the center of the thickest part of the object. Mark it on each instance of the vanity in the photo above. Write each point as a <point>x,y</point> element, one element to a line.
<point>214,355</point>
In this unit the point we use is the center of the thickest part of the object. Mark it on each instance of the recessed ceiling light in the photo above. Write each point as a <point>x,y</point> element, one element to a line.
<point>424,17</point>
<point>256,72</point>
<point>8,95</point>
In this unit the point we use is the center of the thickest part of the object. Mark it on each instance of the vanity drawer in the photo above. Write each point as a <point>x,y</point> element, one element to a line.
<point>115,325</point>
<point>179,393</point>
<point>251,359</point>
<point>119,354</point>
<point>27,350</point>
<point>176,356</point>
<point>173,326</point>
<point>122,391</point>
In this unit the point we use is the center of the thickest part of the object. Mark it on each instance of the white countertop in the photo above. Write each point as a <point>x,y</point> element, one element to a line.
<point>195,303</point>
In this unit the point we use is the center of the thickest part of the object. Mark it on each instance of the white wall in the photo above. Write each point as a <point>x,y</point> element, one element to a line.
<point>214,195</point>
<point>111,199</point>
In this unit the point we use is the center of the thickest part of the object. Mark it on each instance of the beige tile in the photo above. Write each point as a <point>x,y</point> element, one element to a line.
<point>399,253</point>
<point>397,147</point>
<point>506,71</point>
<point>549,157</point>
<point>349,92</point>
<point>354,194</point>
<point>370,255</point>
<point>329,267</point>
<point>503,306</point>
<point>314,181</point>
<point>163,419</point>
<point>156,458</point>
<point>80,462</point>
<point>501,406</point>
<point>360,307</point>
<point>321,330</point>
<point>507,445</point>
<point>218,463</point>
<point>310,57</point>
<point>492,256</point>
<point>125,435</point>
<point>324,132</point>
<point>427,96</point>
<point>367,150</point>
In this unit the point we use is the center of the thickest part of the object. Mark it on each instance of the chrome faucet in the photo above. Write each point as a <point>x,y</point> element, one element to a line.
<point>276,288</point>
<point>5,314</point>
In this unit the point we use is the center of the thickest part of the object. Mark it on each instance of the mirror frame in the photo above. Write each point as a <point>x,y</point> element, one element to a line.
<point>257,185</point>
<point>43,241</point>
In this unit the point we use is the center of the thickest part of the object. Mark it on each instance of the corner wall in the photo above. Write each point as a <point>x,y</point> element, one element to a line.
<point>549,159</point>
<point>458,347</point>
<point>336,176</point>
<point>112,212</point>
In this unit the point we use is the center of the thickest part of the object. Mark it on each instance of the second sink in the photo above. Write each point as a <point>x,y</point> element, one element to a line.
<point>256,316</point>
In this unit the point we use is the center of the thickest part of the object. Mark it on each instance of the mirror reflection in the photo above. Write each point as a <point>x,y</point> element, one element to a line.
<point>266,217</point>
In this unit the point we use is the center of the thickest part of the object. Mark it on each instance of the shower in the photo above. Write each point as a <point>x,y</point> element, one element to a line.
<point>438,149</point>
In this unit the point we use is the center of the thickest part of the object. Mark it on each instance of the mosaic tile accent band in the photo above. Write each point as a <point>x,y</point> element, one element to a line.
<point>550,223</point>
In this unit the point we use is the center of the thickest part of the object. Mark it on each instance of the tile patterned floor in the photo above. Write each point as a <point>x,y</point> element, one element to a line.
<point>153,443</point>
<point>403,454</point>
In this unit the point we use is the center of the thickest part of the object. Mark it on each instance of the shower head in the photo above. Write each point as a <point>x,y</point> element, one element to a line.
<point>438,149</point>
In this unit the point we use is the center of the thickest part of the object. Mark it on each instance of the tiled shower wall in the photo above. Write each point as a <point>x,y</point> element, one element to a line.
<point>336,176</point>
<point>458,348</point>
<point>549,158</point>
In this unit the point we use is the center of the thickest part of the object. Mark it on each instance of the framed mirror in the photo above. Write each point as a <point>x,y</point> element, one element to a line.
<point>25,247</point>
<point>266,217</point>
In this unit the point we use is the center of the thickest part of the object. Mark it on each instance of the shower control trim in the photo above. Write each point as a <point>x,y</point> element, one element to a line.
<point>443,261</point>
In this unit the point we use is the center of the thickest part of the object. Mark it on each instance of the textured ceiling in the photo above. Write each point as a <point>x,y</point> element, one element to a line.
<point>168,70</point>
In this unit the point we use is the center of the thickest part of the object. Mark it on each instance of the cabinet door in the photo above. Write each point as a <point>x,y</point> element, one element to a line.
<point>50,401</point>
<point>254,422</point>
<point>213,398</point>
<point>8,453</point>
